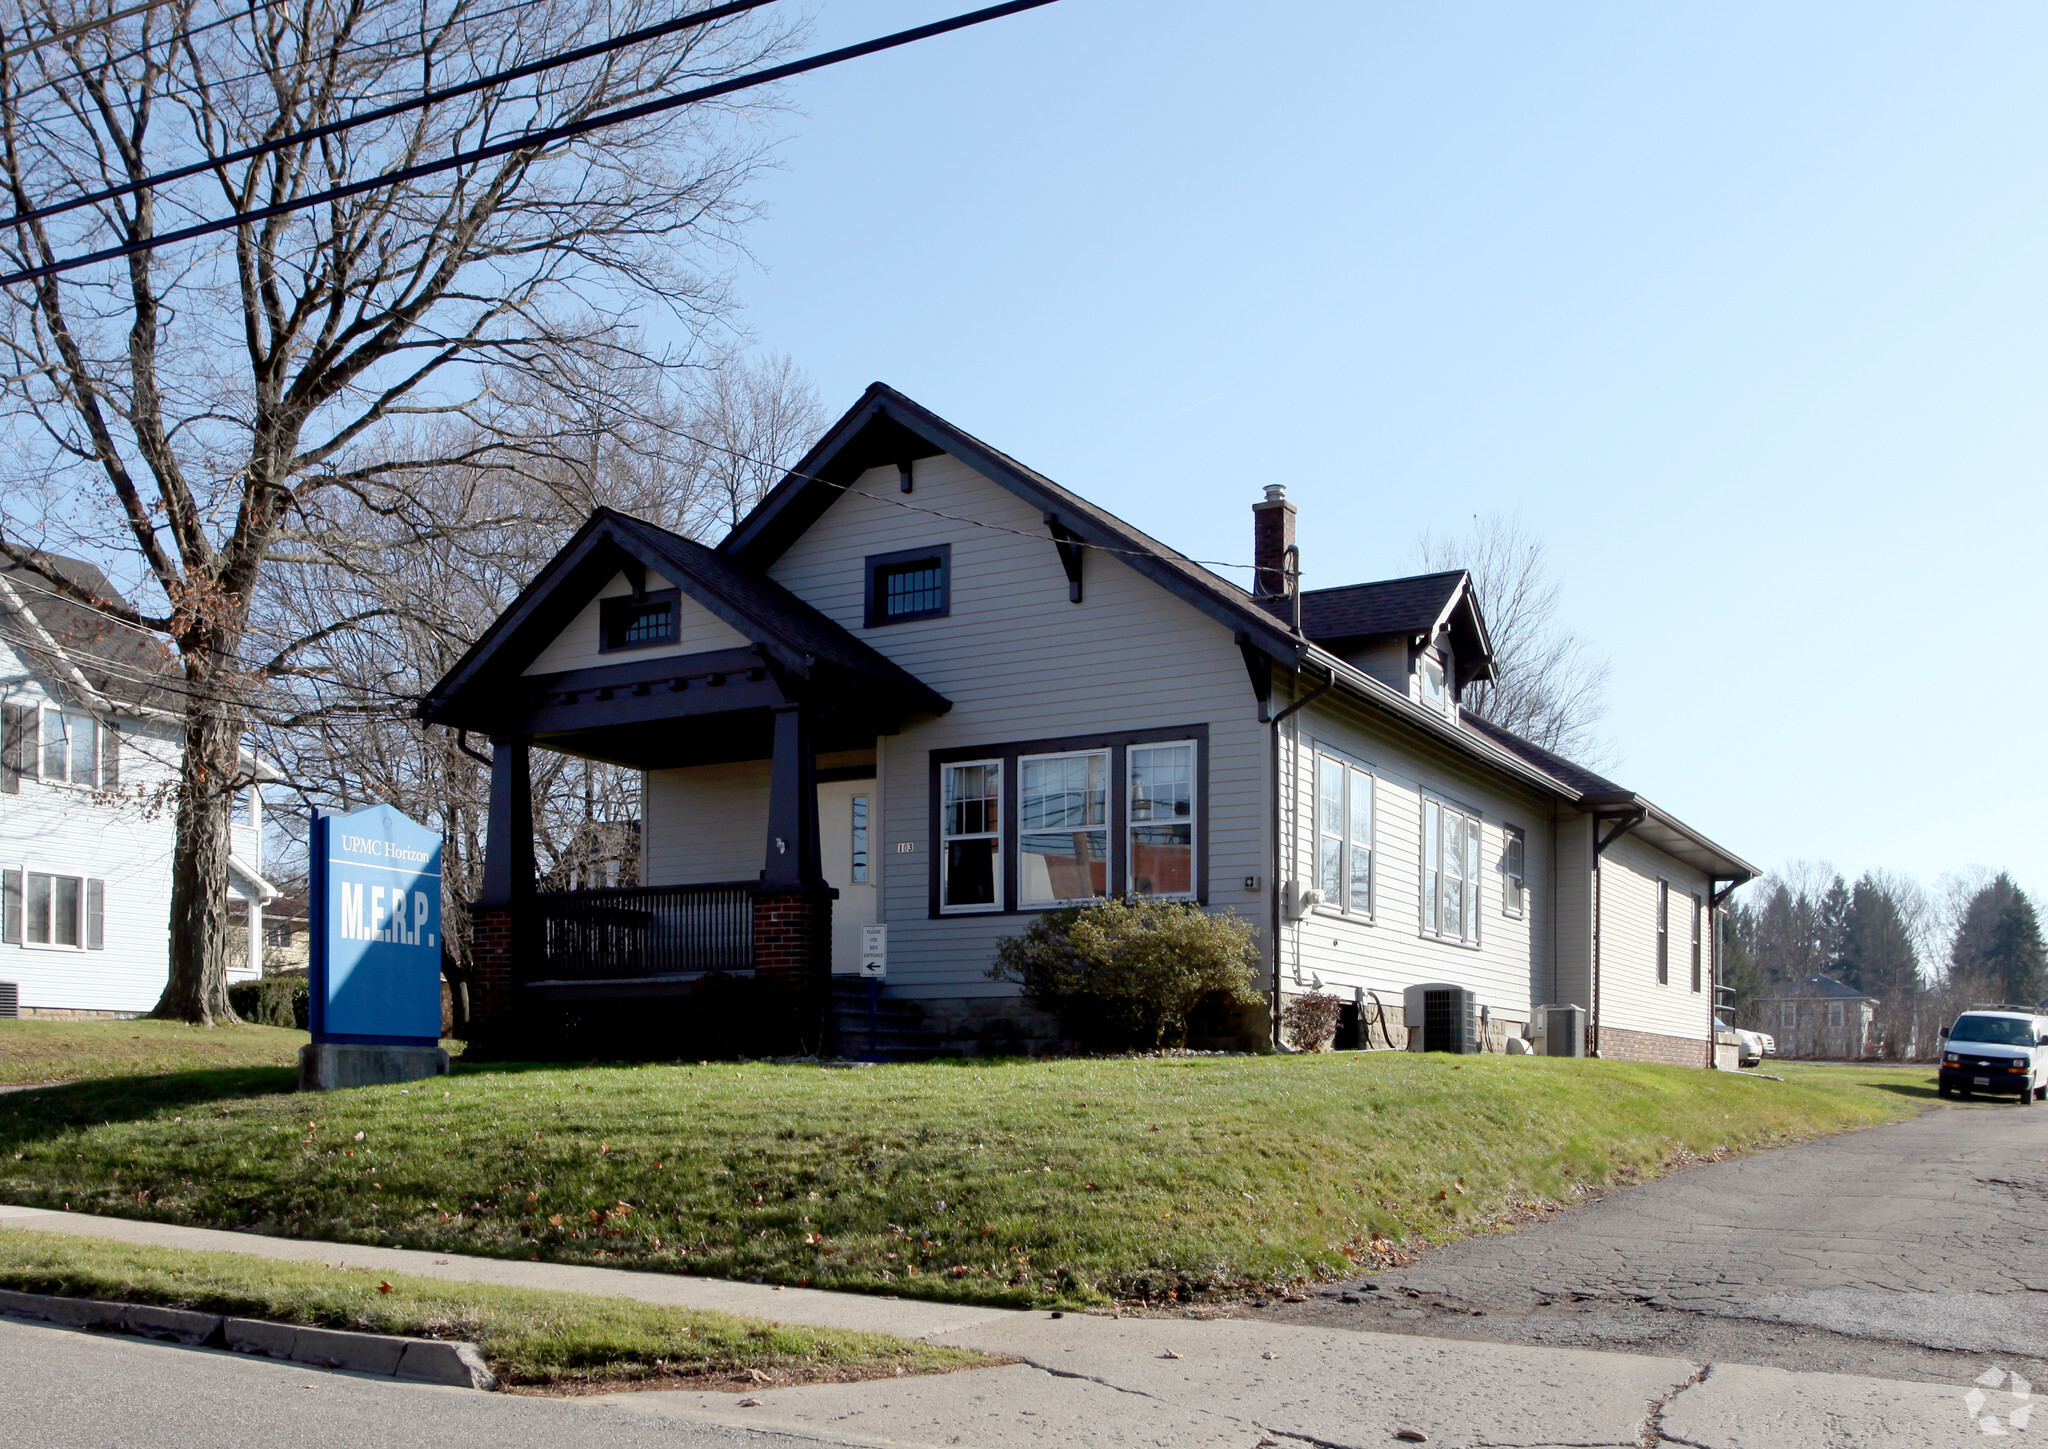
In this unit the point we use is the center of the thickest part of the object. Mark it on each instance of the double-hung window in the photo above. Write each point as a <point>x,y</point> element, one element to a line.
<point>70,747</point>
<point>1063,828</point>
<point>1344,815</point>
<point>1697,914</point>
<point>1663,933</point>
<point>1450,873</point>
<point>53,910</point>
<point>1161,850</point>
<point>1513,878</point>
<point>970,836</point>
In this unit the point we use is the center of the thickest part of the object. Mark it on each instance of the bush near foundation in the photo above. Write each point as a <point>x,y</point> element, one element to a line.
<point>282,1000</point>
<point>1126,974</point>
<point>1310,1021</point>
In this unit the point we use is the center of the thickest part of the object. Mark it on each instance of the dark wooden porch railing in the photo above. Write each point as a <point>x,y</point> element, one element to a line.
<point>638,931</point>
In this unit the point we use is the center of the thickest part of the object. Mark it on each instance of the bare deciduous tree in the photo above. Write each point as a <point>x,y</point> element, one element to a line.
<point>194,408</point>
<point>1549,684</point>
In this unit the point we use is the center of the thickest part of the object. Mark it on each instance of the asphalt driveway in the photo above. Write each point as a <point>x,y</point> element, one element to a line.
<point>1918,1250</point>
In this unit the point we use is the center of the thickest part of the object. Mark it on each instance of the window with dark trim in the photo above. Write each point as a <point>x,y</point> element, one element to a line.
<point>625,622</point>
<point>1041,823</point>
<point>1697,914</point>
<point>915,583</point>
<point>1663,933</point>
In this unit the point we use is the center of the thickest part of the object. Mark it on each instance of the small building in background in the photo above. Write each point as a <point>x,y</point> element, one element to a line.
<point>1818,1017</point>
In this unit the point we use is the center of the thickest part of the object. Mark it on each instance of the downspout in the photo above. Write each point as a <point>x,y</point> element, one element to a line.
<point>1273,1009</point>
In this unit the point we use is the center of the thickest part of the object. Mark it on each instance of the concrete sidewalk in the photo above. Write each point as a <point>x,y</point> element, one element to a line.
<point>1090,1380</point>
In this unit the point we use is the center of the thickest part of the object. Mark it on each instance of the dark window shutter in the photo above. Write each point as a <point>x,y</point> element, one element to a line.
<point>20,726</point>
<point>10,907</point>
<point>95,915</point>
<point>110,754</point>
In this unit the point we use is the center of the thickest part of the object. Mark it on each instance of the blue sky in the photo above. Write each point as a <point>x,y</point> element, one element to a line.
<point>1740,305</point>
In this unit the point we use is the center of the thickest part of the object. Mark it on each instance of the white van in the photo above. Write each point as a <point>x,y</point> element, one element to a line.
<point>1996,1051</point>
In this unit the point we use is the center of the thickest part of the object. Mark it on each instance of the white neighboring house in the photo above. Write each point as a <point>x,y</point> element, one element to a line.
<point>89,754</point>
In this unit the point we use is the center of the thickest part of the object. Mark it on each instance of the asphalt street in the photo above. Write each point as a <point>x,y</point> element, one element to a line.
<point>1918,1250</point>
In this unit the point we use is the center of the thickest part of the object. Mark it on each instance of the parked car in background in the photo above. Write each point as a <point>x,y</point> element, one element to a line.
<point>1755,1046</point>
<point>1997,1053</point>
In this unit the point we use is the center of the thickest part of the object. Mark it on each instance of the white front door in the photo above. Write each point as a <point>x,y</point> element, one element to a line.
<point>846,831</point>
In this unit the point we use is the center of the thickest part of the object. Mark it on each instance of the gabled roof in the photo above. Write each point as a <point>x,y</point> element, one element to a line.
<point>1807,988</point>
<point>127,667</point>
<point>886,427</point>
<point>1341,619</point>
<point>782,625</point>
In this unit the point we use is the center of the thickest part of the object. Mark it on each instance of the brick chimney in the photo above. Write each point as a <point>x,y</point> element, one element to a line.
<point>1272,536</point>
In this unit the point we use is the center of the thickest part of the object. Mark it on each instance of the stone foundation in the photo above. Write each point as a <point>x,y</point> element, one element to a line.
<point>1619,1044</point>
<point>76,1013</point>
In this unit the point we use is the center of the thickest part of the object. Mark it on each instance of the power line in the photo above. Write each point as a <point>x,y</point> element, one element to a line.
<point>79,29</point>
<point>534,140</point>
<point>399,108</point>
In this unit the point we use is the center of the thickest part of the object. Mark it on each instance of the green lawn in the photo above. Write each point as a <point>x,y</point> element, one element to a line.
<point>1007,1182</point>
<point>528,1337</point>
<point>69,1051</point>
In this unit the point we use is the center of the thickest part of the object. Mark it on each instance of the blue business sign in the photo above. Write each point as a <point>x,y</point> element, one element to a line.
<point>376,929</point>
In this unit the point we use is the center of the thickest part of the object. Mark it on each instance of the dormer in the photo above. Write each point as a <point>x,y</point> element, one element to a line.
<point>1423,636</point>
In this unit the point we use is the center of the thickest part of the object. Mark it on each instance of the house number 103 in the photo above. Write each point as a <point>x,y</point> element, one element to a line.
<point>906,847</point>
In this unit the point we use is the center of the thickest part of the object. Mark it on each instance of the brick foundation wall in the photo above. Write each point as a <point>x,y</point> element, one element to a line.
<point>793,954</point>
<point>490,972</point>
<point>1619,1044</point>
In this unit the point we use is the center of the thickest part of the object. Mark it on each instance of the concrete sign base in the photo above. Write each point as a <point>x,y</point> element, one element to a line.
<point>325,1066</point>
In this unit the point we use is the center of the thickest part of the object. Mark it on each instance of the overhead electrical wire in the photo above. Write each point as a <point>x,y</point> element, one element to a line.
<point>533,140</point>
<point>82,27</point>
<point>384,113</point>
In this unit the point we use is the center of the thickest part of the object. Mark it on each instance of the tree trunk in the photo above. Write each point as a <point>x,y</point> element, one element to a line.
<point>197,990</point>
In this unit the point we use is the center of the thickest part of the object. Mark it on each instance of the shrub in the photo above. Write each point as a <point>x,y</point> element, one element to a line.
<point>1127,973</point>
<point>273,1001</point>
<point>1310,1021</point>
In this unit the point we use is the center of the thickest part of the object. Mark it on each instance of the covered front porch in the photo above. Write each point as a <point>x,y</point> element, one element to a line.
<point>726,944</point>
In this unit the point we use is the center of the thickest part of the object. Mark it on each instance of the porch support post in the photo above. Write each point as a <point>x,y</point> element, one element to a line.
<point>508,840</point>
<point>507,885</point>
<point>792,856</point>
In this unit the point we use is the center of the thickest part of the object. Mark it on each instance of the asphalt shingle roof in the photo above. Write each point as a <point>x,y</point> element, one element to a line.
<point>1386,606</point>
<point>117,660</point>
<point>1816,985</point>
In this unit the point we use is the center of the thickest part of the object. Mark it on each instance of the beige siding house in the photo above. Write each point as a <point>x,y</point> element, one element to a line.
<point>924,689</point>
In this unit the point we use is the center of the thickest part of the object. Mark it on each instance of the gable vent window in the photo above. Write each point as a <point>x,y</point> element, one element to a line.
<point>630,623</point>
<point>913,584</point>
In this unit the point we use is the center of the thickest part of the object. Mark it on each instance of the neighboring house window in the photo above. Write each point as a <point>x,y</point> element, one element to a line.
<point>20,731</point>
<point>970,840</point>
<point>1513,868</point>
<point>1697,913</point>
<point>1161,847</point>
<point>1450,873</point>
<point>860,839</point>
<point>1663,933</point>
<point>629,623</point>
<point>1063,824</point>
<point>70,748</point>
<point>1835,1015</point>
<point>911,584</point>
<point>1788,1016</point>
<point>1344,814</point>
<point>58,912</point>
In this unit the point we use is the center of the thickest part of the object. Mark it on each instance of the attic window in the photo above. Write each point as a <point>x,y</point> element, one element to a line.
<point>1430,669</point>
<point>913,584</point>
<point>629,623</point>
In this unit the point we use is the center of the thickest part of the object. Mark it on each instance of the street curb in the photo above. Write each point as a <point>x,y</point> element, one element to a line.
<point>418,1360</point>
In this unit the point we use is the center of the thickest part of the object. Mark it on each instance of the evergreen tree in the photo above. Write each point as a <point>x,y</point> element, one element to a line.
<point>1831,928</point>
<point>1998,954</point>
<point>1738,968</point>
<point>1879,960</point>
